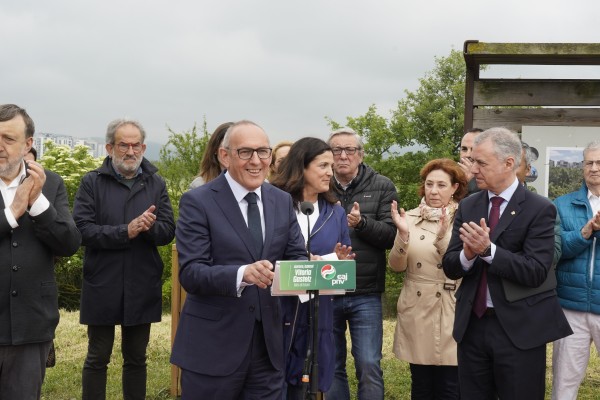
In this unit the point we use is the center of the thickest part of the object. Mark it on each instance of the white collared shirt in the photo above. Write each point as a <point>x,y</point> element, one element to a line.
<point>239,192</point>
<point>303,220</point>
<point>594,202</point>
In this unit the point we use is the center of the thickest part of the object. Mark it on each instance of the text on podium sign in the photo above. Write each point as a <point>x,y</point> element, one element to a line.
<point>317,275</point>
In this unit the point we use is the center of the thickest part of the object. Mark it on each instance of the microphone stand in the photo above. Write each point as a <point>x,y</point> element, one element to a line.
<point>310,375</point>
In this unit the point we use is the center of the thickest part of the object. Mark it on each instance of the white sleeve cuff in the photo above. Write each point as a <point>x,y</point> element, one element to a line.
<point>39,206</point>
<point>239,285</point>
<point>10,218</point>
<point>466,264</point>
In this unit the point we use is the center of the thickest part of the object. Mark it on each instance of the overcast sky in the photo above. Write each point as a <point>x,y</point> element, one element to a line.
<point>75,65</point>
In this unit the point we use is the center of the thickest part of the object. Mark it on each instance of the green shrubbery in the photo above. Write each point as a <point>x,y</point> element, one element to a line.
<point>71,165</point>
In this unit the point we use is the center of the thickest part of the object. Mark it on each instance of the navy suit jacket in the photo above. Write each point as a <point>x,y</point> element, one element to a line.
<point>524,239</point>
<point>213,241</point>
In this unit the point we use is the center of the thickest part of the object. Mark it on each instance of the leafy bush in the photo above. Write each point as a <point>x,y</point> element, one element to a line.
<point>178,165</point>
<point>71,165</point>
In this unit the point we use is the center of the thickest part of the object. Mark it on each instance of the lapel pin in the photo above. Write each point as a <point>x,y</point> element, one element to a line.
<point>512,213</point>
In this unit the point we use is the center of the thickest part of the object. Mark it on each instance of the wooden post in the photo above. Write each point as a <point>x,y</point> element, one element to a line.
<point>177,300</point>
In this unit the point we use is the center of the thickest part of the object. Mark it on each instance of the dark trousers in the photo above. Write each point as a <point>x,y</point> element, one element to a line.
<point>254,379</point>
<point>299,392</point>
<point>434,382</point>
<point>22,370</point>
<point>134,341</point>
<point>491,367</point>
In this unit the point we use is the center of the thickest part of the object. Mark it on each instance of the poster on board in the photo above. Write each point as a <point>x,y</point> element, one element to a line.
<point>560,148</point>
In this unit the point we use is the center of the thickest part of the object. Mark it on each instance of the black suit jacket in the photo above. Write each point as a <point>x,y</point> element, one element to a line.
<point>28,291</point>
<point>524,239</point>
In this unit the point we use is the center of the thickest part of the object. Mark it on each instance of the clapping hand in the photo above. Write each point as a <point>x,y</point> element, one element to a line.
<point>465,164</point>
<point>399,219</point>
<point>142,223</point>
<point>354,216</point>
<point>476,238</point>
<point>596,222</point>
<point>592,225</point>
<point>444,224</point>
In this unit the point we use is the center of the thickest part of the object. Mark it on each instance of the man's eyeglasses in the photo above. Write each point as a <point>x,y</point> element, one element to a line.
<point>590,163</point>
<point>124,147</point>
<point>349,150</point>
<point>246,153</point>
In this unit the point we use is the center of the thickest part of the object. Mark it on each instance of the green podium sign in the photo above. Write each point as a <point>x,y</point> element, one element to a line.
<point>300,276</point>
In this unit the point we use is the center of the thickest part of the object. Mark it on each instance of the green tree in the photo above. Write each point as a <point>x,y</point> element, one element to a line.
<point>179,163</point>
<point>430,118</point>
<point>435,111</point>
<point>426,124</point>
<point>71,165</point>
<point>180,160</point>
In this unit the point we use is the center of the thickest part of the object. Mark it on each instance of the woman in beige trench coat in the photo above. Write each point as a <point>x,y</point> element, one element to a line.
<point>426,304</point>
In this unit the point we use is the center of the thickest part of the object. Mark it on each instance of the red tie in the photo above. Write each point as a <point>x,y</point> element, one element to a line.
<point>480,297</point>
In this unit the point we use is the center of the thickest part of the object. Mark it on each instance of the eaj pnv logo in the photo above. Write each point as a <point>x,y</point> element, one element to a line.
<point>328,272</point>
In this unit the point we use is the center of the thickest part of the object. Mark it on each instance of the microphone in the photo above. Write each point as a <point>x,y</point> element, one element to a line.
<point>310,372</point>
<point>307,208</point>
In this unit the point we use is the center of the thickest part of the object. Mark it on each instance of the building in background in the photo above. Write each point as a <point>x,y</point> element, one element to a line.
<point>95,148</point>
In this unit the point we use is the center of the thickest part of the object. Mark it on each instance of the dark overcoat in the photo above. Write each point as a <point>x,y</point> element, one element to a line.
<point>121,276</point>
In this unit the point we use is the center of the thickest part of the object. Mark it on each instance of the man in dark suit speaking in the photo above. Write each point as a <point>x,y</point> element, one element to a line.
<point>503,232</point>
<point>229,234</point>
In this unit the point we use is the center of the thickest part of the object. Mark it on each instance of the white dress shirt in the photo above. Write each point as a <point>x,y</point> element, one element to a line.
<point>239,192</point>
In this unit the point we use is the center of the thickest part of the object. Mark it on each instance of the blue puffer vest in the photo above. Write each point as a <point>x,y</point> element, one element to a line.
<point>578,271</point>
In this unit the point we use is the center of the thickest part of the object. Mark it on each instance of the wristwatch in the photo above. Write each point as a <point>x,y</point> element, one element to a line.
<point>361,224</point>
<point>487,252</point>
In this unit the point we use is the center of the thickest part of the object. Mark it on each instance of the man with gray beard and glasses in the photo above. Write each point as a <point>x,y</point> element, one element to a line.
<point>123,212</point>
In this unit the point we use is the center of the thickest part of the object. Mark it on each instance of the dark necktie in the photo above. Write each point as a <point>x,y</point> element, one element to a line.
<point>480,297</point>
<point>254,224</point>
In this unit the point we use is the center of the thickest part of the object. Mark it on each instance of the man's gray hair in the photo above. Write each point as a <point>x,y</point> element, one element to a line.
<point>504,142</point>
<point>595,145</point>
<point>529,156</point>
<point>346,131</point>
<point>227,137</point>
<point>113,126</point>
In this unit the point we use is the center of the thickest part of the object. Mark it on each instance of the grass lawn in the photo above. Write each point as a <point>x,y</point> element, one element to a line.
<point>63,382</point>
